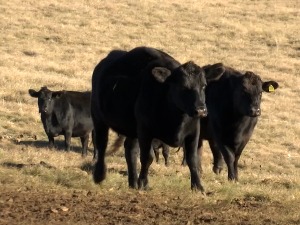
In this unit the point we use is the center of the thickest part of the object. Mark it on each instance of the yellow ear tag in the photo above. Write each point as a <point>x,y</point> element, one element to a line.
<point>271,88</point>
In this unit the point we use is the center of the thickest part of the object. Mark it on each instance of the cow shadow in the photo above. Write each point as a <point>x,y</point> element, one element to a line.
<point>59,145</point>
<point>89,168</point>
<point>23,165</point>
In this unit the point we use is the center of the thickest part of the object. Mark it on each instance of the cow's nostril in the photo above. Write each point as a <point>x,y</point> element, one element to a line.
<point>255,111</point>
<point>258,112</point>
<point>201,112</point>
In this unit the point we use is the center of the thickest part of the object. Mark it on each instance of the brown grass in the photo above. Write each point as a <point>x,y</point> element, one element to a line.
<point>58,43</point>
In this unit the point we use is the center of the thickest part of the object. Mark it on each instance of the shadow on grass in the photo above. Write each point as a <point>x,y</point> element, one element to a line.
<point>23,165</point>
<point>59,145</point>
<point>89,168</point>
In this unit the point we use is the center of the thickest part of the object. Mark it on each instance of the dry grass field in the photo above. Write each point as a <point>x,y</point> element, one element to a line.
<point>58,43</point>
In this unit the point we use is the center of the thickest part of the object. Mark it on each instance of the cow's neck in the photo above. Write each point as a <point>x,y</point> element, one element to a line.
<point>175,125</point>
<point>50,122</point>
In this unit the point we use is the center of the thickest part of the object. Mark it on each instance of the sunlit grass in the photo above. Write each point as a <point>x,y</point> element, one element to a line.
<point>58,44</point>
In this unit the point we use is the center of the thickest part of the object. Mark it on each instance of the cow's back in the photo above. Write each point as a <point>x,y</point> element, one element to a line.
<point>116,84</point>
<point>73,111</point>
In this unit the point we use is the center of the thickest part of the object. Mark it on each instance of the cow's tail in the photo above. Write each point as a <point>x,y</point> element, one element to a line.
<point>119,141</point>
<point>99,173</point>
<point>101,140</point>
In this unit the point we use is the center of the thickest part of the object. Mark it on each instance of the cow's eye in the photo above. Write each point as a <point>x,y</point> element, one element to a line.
<point>204,86</point>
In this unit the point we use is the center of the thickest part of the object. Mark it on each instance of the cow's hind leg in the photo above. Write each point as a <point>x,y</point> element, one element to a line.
<point>101,139</point>
<point>95,156</point>
<point>183,163</point>
<point>131,150</point>
<point>156,153</point>
<point>165,153</point>
<point>84,142</point>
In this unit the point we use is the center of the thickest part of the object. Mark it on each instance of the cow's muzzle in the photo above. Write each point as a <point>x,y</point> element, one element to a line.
<point>200,112</point>
<point>255,111</point>
<point>44,110</point>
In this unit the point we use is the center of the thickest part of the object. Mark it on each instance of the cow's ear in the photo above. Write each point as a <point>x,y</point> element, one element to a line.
<point>161,73</point>
<point>270,86</point>
<point>57,94</point>
<point>33,93</point>
<point>214,72</point>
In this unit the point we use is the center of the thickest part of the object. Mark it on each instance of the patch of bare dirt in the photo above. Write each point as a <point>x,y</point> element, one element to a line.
<point>25,206</point>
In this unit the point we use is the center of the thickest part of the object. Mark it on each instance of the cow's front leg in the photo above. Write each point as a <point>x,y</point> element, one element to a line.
<point>229,158</point>
<point>131,150</point>
<point>200,153</point>
<point>146,160</point>
<point>192,160</point>
<point>235,165</point>
<point>68,135</point>
<point>217,157</point>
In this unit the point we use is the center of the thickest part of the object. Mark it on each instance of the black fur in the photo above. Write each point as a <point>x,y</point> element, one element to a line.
<point>233,104</point>
<point>146,94</point>
<point>65,113</point>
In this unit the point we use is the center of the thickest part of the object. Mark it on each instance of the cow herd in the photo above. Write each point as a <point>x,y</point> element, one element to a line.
<point>154,101</point>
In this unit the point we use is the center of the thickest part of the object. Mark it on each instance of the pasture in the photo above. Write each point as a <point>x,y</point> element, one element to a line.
<point>58,44</point>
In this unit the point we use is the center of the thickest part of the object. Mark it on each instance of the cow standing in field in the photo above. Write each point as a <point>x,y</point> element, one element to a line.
<point>65,113</point>
<point>157,144</point>
<point>146,94</point>
<point>233,104</point>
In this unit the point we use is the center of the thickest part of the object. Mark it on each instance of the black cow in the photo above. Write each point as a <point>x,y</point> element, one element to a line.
<point>233,104</point>
<point>65,113</point>
<point>157,144</point>
<point>146,94</point>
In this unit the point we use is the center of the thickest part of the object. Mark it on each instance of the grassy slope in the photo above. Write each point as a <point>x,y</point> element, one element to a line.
<point>58,43</point>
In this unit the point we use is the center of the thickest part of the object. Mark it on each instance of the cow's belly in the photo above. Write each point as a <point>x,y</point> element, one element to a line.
<point>173,141</point>
<point>82,129</point>
<point>175,134</point>
<point>54,131</point>
<point>124,124</point>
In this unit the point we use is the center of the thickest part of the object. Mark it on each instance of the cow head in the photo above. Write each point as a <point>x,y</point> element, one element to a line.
<point>45,99</point>
<point>187,84</point>
<point>247,95</point>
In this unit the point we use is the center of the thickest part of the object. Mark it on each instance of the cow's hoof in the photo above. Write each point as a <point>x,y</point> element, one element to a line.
<point>199,189</point>
<point>217,170</point>
<point>143,184</point>
<point>232,179</point>
<point>99,173</point>
<point>133,185</point>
